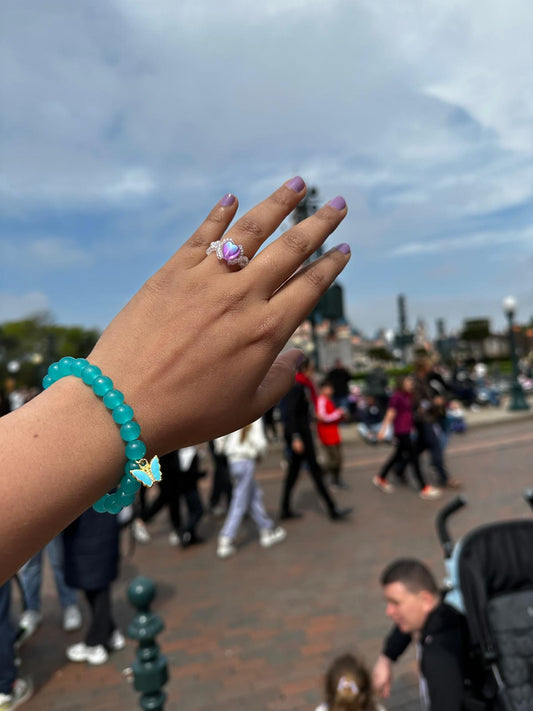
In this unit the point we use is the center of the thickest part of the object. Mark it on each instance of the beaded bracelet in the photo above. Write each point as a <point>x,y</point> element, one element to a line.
<point>137,469</point>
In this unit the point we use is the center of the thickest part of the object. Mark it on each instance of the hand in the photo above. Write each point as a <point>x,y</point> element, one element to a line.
<point>297,445</point>
<point>382,676</point>
<point>193,350</point>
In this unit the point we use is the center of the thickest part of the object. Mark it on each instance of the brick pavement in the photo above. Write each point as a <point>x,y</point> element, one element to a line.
<point>256,632</point>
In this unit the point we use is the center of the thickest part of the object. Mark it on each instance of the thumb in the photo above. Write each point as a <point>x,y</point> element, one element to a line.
<point>278,380</point>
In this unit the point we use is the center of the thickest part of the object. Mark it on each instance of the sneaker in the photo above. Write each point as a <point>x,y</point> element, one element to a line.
<point>28,624</point>
<point>173,539</point>
<point>21,692</point>
<point>340,485</point>
<point>383,484</point>
<point>82,653</point>
<point>340,514</point>
<point>140,532</point>
<point>430,493</point>
<point>72,619</point>
<point>270,536</point>
<point>117,641</point>
<point>225,547</point>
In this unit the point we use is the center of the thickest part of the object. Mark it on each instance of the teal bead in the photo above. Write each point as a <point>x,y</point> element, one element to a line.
<point>78,365</point>
<point>90,373</point>
<point>47,381</point>
<point>130,431</point>
<point>102,385</point>
<point>113,399</point>
<point>54,372</point>
<point>129,466</point>
<point>125,499</point>
<point>129,485</point>
<point>65,365</point>
<point>113,505</point>
<point>122,414</point>
<point>135,450</point>
<point>99,506</point>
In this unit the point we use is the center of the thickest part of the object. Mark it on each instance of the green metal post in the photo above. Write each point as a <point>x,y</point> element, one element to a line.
<point>518,399</point>
<point>150,671</point>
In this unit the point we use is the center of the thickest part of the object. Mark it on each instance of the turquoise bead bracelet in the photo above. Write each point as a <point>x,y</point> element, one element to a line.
<point>137,470</point>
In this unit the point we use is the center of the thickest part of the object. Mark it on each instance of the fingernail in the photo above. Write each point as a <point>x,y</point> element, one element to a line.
<point>339,203</point>
<point>344,248</point>
<point>297,184</point>
<point>227,200</point>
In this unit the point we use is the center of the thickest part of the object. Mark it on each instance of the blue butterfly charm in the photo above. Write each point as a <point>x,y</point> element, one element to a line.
<point>148,472</point>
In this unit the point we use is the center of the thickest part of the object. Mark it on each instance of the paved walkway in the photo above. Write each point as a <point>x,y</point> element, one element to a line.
<point>256,632</point>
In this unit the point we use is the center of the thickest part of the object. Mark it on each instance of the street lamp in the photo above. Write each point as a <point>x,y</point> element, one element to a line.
<point>518,399</point>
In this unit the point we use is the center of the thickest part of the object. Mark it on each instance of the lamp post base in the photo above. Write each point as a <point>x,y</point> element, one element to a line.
<point>518,399</point>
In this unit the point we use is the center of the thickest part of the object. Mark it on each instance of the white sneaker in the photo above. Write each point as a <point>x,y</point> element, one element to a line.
<point>270,536</point>
<point>383,484</point>
<point>140,532</point>
<point>82,653</point>
<point>117,641</point>
<point>225,547</point>
<point>173,539</point>
<point>72,619</point>
<point>21,692</point>
<point>28,624</point>
<point>430,493</point>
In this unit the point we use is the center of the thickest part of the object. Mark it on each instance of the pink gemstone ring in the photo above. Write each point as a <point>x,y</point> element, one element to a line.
<point>230,252</point>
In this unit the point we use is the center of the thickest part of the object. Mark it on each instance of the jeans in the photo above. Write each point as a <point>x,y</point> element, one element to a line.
<point>8,670</point>
<point>30,577</point>
<point>247,497</point>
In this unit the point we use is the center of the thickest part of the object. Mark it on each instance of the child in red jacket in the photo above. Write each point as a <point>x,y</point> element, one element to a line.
<point>328,418</point>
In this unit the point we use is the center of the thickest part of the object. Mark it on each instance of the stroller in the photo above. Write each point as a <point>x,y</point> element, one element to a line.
<point>490,580</point>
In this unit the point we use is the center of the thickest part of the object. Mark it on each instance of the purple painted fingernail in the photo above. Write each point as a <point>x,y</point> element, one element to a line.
<point>339,203</point>
<point>227,200</point>
<point>344,248</point>
<point>297,184</point>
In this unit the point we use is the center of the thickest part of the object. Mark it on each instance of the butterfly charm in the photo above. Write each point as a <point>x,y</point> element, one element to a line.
<point>148,472</point>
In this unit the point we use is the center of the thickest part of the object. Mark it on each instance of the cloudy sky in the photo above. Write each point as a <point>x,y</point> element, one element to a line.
<point>123,121</point>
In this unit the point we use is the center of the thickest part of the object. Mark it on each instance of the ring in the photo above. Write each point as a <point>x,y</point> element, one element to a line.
<point>230,252</point>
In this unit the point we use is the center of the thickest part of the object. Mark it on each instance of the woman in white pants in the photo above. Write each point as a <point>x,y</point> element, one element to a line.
<point>242,449</point>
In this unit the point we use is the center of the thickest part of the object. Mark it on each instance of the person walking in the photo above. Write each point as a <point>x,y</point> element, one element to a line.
<point>400,415</point>
<point>300,445</point>
<point>328,419</point>
<point>30,576</point>
<point>429,409</point>
<point>243,448</point>
<point>91,564</point>
<point>14,690</point>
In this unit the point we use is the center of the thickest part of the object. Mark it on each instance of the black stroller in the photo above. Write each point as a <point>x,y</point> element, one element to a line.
<point>490,580</point>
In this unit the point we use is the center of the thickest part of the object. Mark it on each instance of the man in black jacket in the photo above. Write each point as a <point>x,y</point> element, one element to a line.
<point>297,408</point>
<point>414,604</point>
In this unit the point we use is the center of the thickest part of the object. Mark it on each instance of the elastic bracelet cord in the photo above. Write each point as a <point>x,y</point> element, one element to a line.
<point>137,469</point>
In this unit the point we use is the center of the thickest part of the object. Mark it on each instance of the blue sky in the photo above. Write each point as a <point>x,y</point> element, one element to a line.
<point>123,121</point>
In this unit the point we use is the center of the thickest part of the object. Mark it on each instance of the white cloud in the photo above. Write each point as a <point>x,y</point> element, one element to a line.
<point>18,306</point>
<point>44,253</point>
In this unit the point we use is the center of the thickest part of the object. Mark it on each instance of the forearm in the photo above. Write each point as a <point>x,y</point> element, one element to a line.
<point>61,452</point>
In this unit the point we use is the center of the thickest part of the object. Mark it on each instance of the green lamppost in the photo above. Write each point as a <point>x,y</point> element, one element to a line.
<point>518,399</point>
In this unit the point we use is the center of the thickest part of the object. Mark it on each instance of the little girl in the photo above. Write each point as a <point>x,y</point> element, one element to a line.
<point>242,449</point>
<point>348,687</point>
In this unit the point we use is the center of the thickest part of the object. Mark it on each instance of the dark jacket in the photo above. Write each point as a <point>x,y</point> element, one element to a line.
<point>296,408</point>
<point>91,551</point>
<point>443,641</point>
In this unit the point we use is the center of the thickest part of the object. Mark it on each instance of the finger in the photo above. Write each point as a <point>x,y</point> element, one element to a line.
<point>278,380</point>
<point>283,257</point>
<point>251,230</point>
<point>295,300</point>
<point>211,230</point>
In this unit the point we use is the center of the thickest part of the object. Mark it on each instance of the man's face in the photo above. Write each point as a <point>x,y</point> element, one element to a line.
<point>408,609</point>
